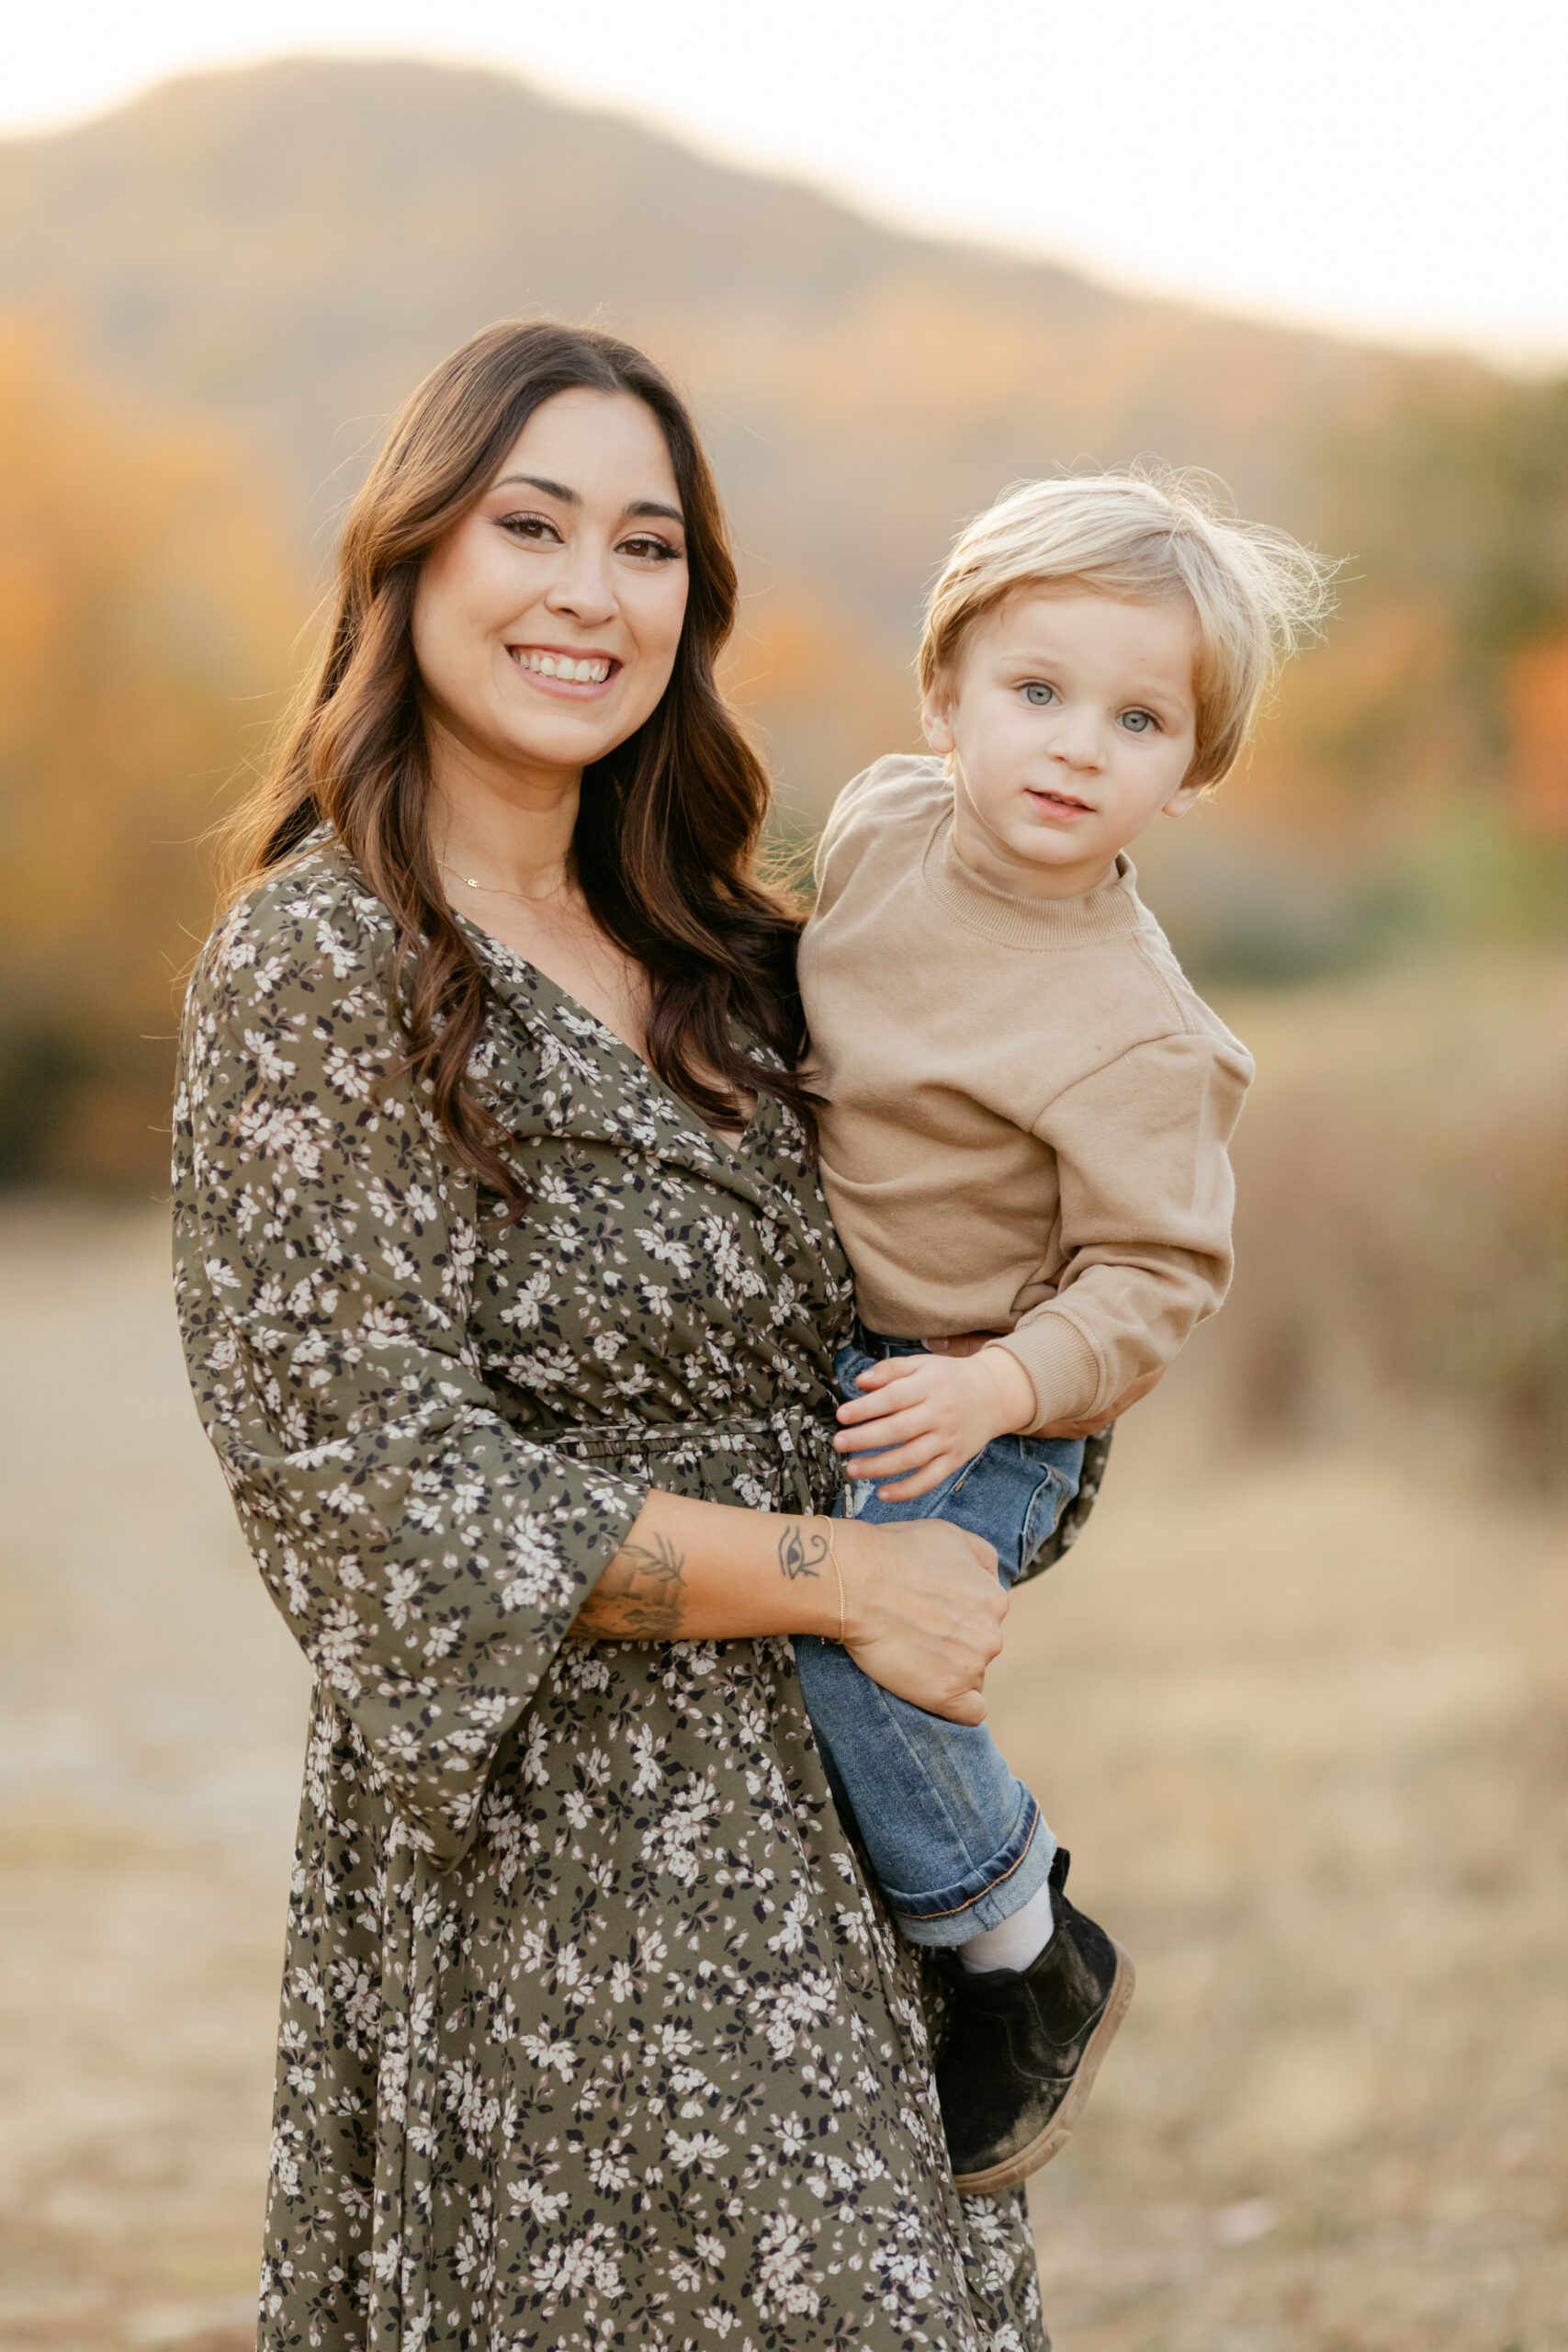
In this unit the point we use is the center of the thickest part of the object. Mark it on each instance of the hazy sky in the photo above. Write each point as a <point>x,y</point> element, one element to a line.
<point>1399,167</point>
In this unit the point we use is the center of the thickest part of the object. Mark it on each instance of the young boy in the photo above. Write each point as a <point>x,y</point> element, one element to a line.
<point>1024,1138</point>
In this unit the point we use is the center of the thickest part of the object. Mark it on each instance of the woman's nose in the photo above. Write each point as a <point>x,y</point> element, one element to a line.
<point>581,586</point>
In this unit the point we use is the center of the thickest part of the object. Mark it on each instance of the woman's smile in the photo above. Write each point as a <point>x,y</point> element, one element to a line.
<point>577,671</point>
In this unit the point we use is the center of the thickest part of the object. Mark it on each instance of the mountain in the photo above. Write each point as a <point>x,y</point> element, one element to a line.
<point>212,301</point>
<point>290,247</point>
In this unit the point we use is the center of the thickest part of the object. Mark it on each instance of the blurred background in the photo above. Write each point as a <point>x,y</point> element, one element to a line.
<point>1297,1700</point>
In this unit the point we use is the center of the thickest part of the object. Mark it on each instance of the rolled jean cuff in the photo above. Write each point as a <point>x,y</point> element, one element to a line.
<point>1014,1874</point>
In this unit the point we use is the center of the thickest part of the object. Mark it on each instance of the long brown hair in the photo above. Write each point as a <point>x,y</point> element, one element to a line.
<point>668,822</point>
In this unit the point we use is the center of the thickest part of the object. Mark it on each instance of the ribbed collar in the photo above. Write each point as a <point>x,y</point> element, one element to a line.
<point>1108,912</point>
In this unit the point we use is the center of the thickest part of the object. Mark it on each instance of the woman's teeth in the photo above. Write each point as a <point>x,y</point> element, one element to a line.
<point>561,665</point>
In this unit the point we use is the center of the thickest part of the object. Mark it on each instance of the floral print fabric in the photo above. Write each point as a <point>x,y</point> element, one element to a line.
<point>593,2033</point>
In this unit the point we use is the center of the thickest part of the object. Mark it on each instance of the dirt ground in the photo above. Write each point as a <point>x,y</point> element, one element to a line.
<point>1303,1725</point>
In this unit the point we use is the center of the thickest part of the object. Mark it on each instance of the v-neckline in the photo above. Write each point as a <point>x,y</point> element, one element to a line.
<point>501,951</point>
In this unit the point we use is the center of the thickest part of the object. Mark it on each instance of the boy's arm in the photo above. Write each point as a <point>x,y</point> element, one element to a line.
<point>936,1411</point>
<point>969,1343</point>
<point>919,1419</point>
<point>1146,1199</point>
<point>1145,1208</point>
<point>1090,1424</point>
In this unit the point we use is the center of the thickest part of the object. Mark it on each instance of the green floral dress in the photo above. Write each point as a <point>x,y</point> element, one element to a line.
<point>593,2033</point>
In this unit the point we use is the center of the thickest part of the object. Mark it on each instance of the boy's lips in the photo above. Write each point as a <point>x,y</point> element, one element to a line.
<point>1064,803</point>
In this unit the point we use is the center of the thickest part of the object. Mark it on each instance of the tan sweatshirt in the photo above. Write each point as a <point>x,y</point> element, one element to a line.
<point>1027,1105</point>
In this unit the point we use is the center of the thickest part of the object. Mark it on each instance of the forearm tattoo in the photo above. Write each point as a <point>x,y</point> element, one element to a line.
<point>640,1597</point>
<point>802,1549</point>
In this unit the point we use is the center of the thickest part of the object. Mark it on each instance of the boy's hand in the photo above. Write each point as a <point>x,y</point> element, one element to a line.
<point>923,1416</point>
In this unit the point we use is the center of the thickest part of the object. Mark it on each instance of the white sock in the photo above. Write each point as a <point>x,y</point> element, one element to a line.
<point>1017,1942</point>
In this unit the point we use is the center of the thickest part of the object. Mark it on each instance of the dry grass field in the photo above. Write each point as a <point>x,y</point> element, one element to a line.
<point>1303,1722</point>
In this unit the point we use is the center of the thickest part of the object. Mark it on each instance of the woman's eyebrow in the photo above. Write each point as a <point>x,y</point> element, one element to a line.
<point>638,506</point>
<point>551,488</point>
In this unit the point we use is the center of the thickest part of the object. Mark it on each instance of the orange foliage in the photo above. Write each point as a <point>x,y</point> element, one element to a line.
<point>825,693</point>
<point>145,615</point>
<point>1536,683</point>
<point>1367,735</point>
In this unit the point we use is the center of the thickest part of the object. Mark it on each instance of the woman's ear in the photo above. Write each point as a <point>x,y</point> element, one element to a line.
<point>936,721</point>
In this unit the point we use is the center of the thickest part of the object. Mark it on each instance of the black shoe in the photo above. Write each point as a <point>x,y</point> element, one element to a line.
<point>1025,2047</point>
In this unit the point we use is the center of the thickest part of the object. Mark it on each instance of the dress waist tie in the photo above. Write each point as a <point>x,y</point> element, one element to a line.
<point>800,1440</point>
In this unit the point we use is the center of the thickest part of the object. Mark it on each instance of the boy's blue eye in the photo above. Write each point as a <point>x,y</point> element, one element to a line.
<point>1138,722</point>
<point>1038,695</point>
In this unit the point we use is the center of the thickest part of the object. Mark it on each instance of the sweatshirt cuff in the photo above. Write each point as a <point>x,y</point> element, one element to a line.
<point>1061,1365</point>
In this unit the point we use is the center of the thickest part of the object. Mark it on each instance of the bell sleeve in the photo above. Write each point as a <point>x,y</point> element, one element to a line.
<point>426,1555</point>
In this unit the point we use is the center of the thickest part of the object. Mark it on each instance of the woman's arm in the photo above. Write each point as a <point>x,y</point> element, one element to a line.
<point>428,1556</point>
<point>922,1605</point>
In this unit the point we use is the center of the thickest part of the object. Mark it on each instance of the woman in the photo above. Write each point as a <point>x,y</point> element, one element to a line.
<point>510,1304</point>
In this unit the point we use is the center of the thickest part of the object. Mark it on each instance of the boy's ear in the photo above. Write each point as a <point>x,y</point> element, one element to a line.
<point>1185,796</point>
<point>936,721</point>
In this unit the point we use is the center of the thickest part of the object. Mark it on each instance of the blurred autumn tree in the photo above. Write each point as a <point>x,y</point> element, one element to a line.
<point>146,613</point>
<point>1411,784</point>
<point>274,256</point>
<point>286,249</point>
<point>1457,509</point>
<point>255,267</point>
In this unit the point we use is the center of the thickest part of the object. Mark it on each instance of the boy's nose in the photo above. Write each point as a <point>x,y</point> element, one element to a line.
<point>1080,743</point>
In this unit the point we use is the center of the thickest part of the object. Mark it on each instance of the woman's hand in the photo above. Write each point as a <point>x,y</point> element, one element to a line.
<point>923,1417</point>
<point>923,1610</point>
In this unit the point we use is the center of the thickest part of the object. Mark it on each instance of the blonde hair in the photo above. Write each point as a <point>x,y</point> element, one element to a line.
<point>1257,594</point>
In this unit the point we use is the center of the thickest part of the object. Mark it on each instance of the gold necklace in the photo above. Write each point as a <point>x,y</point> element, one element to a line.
<point>495,890</point>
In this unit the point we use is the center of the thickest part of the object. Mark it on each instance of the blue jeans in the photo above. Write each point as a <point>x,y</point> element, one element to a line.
<point>957,1843</point>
